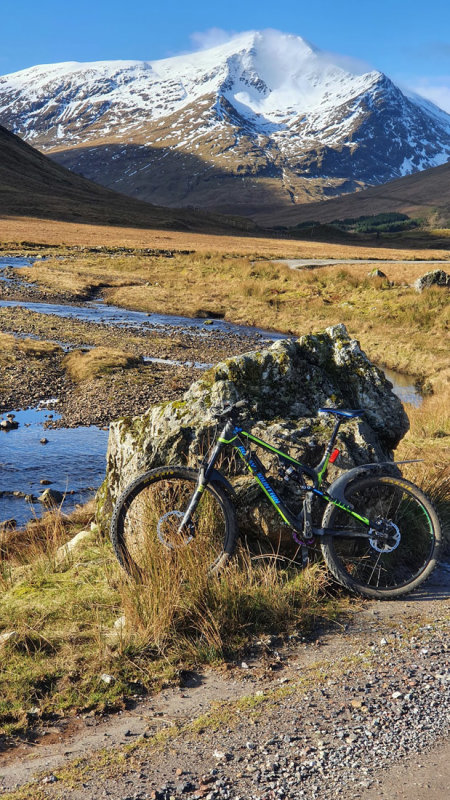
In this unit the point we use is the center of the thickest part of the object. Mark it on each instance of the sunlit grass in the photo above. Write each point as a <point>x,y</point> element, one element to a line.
<point>83,366</point>
<point>62,613</point>
<point>33,348</point>
<point>396,326</point>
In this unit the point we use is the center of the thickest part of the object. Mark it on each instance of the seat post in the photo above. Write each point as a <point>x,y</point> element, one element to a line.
<point>320,469</point>
<point>337,425</point>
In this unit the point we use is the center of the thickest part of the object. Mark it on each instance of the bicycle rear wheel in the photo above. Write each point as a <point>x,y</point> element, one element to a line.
<point>147,516</point>
<point>383,568</point>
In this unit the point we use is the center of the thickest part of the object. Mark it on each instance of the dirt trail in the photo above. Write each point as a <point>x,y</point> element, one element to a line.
<point>424,778</point>
<point>372,626</point>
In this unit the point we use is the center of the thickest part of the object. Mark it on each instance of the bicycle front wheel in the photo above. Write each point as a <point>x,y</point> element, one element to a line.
<point>377,567</point>
<point>147,516</point>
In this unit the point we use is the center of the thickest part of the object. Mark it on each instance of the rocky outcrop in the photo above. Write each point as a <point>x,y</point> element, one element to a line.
<point>437,277</point>
<point>285,384</point>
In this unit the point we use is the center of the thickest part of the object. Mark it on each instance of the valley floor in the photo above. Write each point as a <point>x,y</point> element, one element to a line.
<point>359,711</point>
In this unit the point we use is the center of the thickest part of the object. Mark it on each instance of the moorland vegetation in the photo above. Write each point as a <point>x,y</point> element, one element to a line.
<point>62,610</point>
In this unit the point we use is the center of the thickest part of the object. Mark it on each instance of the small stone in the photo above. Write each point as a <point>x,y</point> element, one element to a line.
<point>7,637</point>
<point>50,497</point>
<point>67,548</point>
<point>220,755</point>
<point>108,679</point>
<point>120,623</point>
<point>49,779</point>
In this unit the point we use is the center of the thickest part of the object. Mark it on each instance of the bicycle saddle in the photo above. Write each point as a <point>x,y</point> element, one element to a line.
<point>342,412</point>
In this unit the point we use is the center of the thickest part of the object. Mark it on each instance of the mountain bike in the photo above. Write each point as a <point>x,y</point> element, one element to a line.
<point>379,534</point>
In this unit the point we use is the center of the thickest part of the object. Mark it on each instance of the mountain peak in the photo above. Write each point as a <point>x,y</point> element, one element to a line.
<point>264,103</point>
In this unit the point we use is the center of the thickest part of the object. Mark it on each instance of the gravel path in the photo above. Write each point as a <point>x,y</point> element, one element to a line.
<point>361,712</point>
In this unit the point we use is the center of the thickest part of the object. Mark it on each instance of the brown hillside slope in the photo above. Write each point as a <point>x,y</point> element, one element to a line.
<point>32,185</point>
<point>423,194</point>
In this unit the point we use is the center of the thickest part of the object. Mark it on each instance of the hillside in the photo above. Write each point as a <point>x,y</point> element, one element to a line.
<point>422,195</point>
<point>265,120</point>
<point>32,185</point>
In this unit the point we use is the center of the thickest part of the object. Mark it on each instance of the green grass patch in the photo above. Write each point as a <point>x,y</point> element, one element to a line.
<point>63,613</point>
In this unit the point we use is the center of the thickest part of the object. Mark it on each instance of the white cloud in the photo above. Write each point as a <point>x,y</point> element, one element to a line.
<point>438,91</point>
<point>356,66</point>
<point>203,40</point>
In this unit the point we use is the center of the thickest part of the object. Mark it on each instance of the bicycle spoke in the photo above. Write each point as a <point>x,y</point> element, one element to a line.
<point>396,558</point>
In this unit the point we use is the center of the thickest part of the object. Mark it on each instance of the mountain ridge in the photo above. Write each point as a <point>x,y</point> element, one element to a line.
<point>421,195</point>
<point>33,185</point>
<point>263,113</point>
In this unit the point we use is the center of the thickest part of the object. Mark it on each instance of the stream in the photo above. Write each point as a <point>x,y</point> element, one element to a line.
<point>72,462</point>
<point>73,459</point>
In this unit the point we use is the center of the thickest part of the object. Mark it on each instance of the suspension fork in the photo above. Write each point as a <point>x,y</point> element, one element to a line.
<point>204,474</point>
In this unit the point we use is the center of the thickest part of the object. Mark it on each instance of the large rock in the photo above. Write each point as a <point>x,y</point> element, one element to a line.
<point>286,384</point>
<point>437,277</point>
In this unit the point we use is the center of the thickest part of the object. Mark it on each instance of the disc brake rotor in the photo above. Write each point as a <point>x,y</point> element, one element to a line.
<point>168,530</point>
<point>385,545</point>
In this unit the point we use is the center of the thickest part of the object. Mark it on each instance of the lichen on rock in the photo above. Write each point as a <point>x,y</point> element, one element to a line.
<point>286,384</point>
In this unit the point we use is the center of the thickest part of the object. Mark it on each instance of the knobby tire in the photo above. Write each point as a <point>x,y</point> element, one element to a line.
<point>357,564</point>
<point>147,515</point>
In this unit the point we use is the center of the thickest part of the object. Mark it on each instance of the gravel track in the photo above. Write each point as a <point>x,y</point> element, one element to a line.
<point>361,712</point>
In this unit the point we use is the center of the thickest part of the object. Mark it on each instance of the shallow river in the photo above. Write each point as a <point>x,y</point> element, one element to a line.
<point>73,460</point>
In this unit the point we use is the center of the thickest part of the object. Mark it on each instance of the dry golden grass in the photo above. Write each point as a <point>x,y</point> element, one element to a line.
<point>30,347</point>
<point>182,613</point>
<point>83,366</point>
<point>31,230</point>
<point>62,615</point>
<point>396,326</point>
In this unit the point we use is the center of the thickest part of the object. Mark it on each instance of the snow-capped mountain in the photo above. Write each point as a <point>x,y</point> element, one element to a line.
<point>265,119</point>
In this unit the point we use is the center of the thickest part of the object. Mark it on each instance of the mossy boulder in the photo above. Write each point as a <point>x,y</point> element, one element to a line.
<point>286,384</point>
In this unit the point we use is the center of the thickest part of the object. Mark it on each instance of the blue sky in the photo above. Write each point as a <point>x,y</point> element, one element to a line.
<point>407,39</point>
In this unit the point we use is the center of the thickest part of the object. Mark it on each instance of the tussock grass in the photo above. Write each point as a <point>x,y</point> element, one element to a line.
<point>83,366</point>
<point>428,439</point>
<point>176,617</point>
<point>33,348</point>
<point>57,613</point>
<point>181,611</point>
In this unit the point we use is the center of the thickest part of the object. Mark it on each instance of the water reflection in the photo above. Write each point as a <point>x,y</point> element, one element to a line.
<point>403,386</point>
<point>73,460</point>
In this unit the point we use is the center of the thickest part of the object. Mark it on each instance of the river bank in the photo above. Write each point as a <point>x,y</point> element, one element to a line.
<point>65,446</point>
<point>60,300</point>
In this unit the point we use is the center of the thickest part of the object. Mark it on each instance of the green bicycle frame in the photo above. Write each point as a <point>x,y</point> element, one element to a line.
<point>232,434</point>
